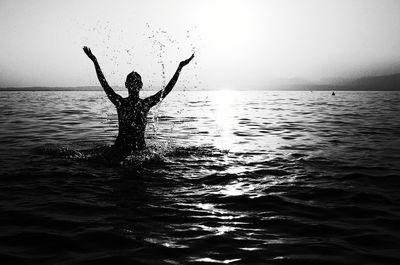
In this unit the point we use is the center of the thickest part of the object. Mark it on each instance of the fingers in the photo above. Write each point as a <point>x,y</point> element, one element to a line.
<point>191,57</point>
<point>86,49</point>
<point>89,53</point>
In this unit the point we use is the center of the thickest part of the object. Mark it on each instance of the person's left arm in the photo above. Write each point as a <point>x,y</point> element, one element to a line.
<point>160,95</point>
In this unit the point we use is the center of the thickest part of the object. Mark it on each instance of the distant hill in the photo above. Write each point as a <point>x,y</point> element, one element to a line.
<point>383,82</point>
<point>376,83</point>
<point>372,83</point>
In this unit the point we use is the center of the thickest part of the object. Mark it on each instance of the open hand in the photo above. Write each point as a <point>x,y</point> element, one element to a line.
<point>185,62</point>
<point>89,53</point>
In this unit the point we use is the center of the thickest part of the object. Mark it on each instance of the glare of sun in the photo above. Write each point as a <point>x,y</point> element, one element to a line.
<point>223,101</point>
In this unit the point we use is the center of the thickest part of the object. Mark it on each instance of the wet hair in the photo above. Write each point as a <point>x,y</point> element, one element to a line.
<point>135,79</point>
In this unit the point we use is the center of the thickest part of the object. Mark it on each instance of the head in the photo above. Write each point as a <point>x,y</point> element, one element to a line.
<point>133,83</point>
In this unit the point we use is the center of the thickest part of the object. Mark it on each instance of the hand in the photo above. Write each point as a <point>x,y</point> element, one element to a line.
<point>89,53</point>
<point>185,62</point>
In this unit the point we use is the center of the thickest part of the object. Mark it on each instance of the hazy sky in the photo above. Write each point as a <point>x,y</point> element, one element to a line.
<point>237,43</point>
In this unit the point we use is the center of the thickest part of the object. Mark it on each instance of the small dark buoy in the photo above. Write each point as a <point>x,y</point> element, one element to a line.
<point>333,93</point>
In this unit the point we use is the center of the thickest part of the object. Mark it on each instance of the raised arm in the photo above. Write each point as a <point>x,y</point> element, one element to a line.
<point>160,95</point>
<point>114,97</point>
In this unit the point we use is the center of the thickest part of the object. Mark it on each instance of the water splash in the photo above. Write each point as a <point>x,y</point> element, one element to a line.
<point>160,39</point>
<point>156,153</point>
<point>121,55</point>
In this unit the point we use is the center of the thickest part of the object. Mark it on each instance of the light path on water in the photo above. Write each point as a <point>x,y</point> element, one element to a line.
<point>230,177</point>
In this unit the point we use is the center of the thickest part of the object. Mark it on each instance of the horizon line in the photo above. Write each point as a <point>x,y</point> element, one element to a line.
<point>258,88</point>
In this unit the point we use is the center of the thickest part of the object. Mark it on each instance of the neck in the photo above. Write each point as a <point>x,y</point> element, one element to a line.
<point>134,95</point>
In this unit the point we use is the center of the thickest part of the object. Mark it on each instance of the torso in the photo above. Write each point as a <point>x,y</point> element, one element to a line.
<point>132,119</point>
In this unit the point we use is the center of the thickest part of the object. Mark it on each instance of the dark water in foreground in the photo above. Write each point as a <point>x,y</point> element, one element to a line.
<point>229,177</point>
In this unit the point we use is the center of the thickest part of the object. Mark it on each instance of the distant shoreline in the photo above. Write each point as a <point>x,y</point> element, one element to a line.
<point>272,88</point>
<point>371,83</point>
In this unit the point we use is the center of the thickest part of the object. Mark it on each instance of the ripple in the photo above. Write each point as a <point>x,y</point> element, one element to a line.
<point>262,178</point>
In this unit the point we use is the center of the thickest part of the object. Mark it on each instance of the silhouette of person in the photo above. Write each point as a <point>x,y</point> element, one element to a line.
<point>132,110</point>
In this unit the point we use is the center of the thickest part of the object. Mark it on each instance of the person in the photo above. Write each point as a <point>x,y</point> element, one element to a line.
<point>132,110</point>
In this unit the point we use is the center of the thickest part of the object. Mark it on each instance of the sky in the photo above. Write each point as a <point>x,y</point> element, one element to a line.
<point>237,43</point>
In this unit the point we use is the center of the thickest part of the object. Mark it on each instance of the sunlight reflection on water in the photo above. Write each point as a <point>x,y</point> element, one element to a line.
<point>229,177</point>
<point>224,112</point>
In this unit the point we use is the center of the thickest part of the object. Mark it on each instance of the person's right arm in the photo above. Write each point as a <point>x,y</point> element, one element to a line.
<point>114,97</point>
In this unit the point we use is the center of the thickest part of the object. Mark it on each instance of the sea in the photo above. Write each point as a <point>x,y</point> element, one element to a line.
<point>228,177</point>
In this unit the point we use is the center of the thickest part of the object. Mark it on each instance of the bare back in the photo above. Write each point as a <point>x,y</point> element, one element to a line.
<point>132,120</point>
<point>132,111</point>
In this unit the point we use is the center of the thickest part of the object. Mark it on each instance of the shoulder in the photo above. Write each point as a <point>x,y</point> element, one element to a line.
<point>146,103</point>
<point>121,101</point>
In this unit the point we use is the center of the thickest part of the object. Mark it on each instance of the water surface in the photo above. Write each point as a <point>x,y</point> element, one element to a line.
<point>230,177</point>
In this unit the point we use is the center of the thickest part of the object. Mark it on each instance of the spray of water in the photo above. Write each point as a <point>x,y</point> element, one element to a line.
<point>160,39</point>
<point>161,42</point>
